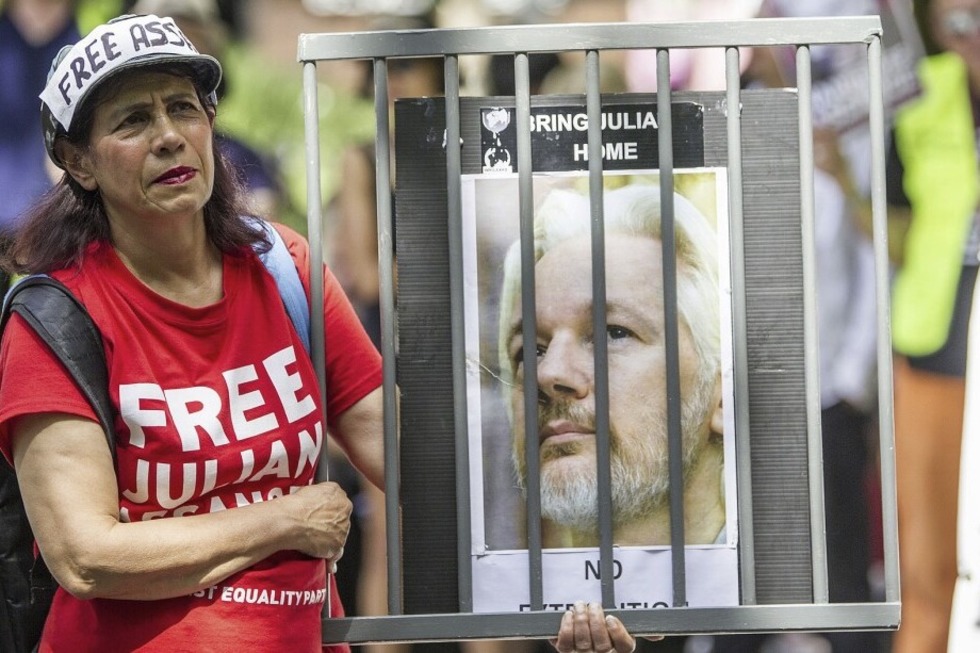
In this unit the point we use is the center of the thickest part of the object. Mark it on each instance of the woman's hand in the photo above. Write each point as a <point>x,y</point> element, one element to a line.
<point>586,629</point>
<point>323,514</point>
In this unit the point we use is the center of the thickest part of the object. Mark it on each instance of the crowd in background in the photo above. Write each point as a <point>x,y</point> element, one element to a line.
<point>260,124</point>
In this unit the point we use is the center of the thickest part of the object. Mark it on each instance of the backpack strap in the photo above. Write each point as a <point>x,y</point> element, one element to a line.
<point>67,329</point>
<point>280,264</point>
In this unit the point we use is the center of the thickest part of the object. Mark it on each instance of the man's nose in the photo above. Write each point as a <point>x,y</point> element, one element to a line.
<point>566,369</point>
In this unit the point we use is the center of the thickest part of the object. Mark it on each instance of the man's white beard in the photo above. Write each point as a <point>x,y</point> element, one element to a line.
<point>640,481</point>
<point>638,488</point>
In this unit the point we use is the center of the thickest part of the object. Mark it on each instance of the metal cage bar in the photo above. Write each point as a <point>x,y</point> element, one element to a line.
<point>382,153</point>
<point>671,333</point>
<point>600,344</point>
<point>314,226</point>
<point>743,457</point>
<point>454,170</point>
<point>315,222</point>
<point>529,328</point>
<point>811,342</point>
<point>886,457</point>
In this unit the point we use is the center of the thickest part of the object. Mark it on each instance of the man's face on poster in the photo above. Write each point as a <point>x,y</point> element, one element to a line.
<point>637,381</point>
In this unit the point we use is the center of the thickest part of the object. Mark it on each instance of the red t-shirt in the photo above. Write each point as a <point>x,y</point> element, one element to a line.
<point>217,408</point>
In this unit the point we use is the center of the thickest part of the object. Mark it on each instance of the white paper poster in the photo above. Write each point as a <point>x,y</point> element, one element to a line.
<point>566,420</point>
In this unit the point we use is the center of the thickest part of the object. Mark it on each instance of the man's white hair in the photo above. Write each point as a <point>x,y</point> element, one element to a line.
<point>630,210</point>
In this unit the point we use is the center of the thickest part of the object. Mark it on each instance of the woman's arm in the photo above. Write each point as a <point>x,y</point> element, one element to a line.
<point>69,488</point>
<point>360,430</point>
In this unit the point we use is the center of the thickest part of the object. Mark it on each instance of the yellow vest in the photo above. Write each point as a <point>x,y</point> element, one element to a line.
<point>936,140</point>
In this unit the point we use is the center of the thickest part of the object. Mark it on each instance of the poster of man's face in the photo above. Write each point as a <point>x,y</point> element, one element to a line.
<point>563,416</point>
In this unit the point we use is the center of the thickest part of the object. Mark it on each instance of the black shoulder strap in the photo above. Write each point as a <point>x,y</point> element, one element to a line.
<point>66,327</point>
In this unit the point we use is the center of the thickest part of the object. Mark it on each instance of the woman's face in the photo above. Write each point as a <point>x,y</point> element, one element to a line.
<point>150,149</point>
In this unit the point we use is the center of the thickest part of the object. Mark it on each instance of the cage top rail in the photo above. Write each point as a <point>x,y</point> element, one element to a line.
<point>588,36</point>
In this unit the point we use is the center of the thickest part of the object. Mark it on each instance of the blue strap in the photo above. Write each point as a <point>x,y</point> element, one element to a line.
<point>281,266</point>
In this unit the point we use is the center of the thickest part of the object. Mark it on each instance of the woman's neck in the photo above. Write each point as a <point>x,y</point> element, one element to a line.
<point>182,265</point>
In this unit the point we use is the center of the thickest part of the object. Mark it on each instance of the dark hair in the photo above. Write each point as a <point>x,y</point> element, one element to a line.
<point>55,233</point>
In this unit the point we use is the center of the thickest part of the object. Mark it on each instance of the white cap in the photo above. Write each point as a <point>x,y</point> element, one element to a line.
<point>121,44</point>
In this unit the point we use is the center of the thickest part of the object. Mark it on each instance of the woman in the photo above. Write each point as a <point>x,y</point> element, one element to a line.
<point>218,417</point>
<point>218,410</point>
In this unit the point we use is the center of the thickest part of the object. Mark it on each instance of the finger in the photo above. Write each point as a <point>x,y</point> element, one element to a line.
<point>581,627</point>
<point>622,641</point>
<point>565,641</point>
<point>599,629</point>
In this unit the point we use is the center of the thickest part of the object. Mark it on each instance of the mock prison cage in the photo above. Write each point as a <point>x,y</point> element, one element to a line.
<point>762,141</point>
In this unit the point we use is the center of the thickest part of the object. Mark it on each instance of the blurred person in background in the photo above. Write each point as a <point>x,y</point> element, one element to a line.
<point>701,69</point>
<point>932,192</point>
<point>354,245</point>
<point>569,75</point>
<point>31,33</point>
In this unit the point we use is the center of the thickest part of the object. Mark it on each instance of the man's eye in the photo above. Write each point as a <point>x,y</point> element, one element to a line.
<point>616,332</point>
<point>519,354</point>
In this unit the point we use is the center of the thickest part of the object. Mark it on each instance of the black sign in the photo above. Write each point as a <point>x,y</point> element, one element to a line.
<point>560,136</point>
